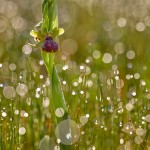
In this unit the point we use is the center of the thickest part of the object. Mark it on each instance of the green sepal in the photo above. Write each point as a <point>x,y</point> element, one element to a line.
<point>57,31</point>
<point>37,34</point>
<point>61,31</point>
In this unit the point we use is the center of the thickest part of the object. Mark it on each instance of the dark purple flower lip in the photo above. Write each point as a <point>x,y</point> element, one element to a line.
<point>50,45</point>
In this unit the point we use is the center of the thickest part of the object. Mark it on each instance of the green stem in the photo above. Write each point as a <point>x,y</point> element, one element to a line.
<point>50,21</point>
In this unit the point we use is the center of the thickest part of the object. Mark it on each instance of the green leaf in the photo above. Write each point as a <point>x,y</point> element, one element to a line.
<point>37,34</point>
<point>57,93</point>
<point>57,31</point>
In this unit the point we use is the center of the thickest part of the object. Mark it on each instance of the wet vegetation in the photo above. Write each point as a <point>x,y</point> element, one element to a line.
<point>104,69</point>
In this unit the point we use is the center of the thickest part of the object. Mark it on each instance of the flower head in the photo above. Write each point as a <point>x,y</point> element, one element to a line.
<point>50,45</point>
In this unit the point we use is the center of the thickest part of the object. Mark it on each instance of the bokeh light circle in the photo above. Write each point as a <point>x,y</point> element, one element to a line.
<point>18,23</point>
<point>21,89</point>
<point>69,46</point>
<point>122,22</point>
<point>119,48</point>
<point>138,140</point>
<point>8,8</point>
<point>130,54</point>
<point>147,21</point>
<point>12,67</point>
<point>96,54</point>
<point>22,130</point>
<point>9,92</point>
<point>129,106</point>
<point>68,132</point>
<point>27,49</point>
<point>56,148</point>
<point>107,58</point>
<point>140,26</point>
<point>59,112</point>
<point>147,118</point>
<point>83,119</point>
<point>3,24</point>
<point>140,131</point>
<point>119,83</point>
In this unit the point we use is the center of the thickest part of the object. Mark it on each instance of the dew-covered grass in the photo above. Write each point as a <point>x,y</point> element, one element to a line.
<point>104,70</point>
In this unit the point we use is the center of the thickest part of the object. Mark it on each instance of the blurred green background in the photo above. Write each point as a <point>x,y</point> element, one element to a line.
<point>103,65</point>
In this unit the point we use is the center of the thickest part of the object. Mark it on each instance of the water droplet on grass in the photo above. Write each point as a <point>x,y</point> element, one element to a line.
<point>16,112</point>
<point>56,148</point>
<point>83,119</point>
<point>22,130</point>
<point>46,102</point>
<point>64,82</point>
<point>128,128</point>
<point>4,114</point>
<point>121,141</point>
